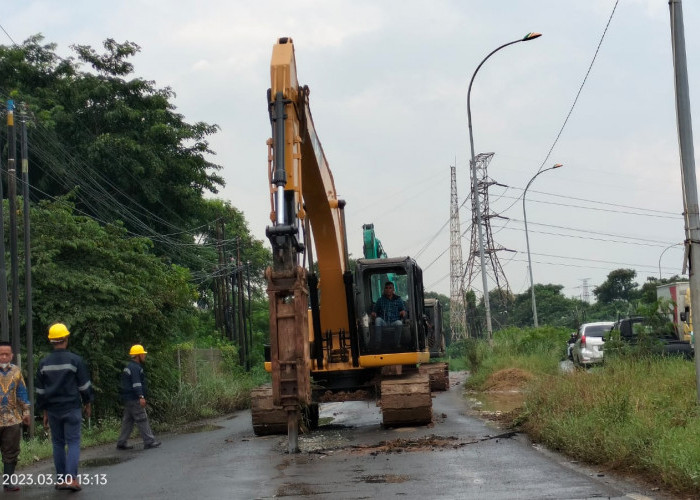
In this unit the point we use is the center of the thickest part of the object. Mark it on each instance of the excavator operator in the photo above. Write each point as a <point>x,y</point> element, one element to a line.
<point>389,308</point>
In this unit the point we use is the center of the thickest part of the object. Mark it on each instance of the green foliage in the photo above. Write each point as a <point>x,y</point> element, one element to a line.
<point>536,350</point>
<point>618,287</point>
<point>213,395</point>
<point>647,334</point>
<point>139,153</point>
<point>634,414</point>
<point>509,310</point>
<point>466,354</point>
<point>108,288</point>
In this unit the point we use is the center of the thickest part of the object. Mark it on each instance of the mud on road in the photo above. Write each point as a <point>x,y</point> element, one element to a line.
<point>350,457</point>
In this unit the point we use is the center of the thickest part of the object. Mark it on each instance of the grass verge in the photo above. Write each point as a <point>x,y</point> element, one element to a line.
<point>635,415</point>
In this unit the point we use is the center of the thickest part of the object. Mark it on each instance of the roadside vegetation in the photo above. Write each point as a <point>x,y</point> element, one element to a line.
<point>214,394</point>
<point>129,244</point>
<point>637,414</point>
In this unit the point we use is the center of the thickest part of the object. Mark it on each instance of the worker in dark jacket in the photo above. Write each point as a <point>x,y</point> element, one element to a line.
<point>62,387</point>
<point>134,396</point>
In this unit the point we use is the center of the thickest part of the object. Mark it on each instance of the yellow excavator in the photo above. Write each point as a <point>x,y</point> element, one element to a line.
<point>324,343</point>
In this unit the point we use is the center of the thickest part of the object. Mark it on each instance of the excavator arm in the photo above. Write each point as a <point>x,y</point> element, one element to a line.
<point>301,188</point>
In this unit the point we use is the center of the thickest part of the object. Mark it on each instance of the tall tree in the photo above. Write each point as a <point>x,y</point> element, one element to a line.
<point>107,287</point>
<point>116,137</point>
<point>619,286</point>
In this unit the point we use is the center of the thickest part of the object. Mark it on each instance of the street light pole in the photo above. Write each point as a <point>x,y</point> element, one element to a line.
<point>662,254</point>
<point>475,184</point>
<point>527,241</point>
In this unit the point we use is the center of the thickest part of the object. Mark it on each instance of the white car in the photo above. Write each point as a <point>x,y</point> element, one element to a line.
<point>588,347</point>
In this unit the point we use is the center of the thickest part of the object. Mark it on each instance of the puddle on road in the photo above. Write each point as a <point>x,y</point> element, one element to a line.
<point>199,428</point>
<point>100,462</point>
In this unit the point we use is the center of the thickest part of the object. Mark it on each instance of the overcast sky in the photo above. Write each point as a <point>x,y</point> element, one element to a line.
<point>389,83</point>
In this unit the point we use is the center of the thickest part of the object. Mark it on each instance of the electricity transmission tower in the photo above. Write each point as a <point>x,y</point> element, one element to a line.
<point>584,290</point>
<point>458,324</point>
<point>494,271</point>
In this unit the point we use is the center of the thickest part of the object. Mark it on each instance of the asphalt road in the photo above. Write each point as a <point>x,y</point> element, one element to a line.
<point>458,456</point>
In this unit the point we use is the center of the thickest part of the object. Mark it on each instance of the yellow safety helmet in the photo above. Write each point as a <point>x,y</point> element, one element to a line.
<point>58,331</point>
<point>137,349</point>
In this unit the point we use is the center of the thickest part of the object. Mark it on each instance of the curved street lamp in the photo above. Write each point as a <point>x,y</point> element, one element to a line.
<point>662,254</point>
<point>487,305</point>
<point>527,241</point>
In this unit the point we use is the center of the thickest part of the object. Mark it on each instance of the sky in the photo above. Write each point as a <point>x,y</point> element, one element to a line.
<point>389,82</point>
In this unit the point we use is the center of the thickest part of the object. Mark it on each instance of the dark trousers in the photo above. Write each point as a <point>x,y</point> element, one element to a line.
<point>134,414</point>
<point>10,437</point>
<point>65,432</point>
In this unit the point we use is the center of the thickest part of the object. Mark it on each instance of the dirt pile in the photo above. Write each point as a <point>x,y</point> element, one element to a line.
<point>510,379</point>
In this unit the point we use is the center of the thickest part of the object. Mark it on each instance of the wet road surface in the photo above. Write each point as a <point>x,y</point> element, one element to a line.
<point>353,457</point>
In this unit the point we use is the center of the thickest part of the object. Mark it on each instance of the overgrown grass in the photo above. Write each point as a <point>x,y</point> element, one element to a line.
<point>633,414</point>
<point>640,415</point>
<point>537,350</point>
<point>212,396</point>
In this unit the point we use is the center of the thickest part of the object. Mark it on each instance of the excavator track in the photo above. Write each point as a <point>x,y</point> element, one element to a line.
<point>269,418</point>
<point>439,375</point>
<point>406,400</point>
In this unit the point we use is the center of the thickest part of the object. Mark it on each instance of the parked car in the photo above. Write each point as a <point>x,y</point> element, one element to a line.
<point>664,339</point>
<point>588,346</point>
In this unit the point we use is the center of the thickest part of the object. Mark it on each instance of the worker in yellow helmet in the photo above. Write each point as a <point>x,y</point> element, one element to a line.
<point>134,396</point>
<point>62,387</point>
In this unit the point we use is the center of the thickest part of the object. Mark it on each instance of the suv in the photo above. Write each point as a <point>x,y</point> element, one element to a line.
<point>588,346</point>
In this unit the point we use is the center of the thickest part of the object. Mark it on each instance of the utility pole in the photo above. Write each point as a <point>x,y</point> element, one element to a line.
<point>690,187</point>
<point>4,322</point>
<point>220,285</point>
<point>29,331</point>
<point>12,208</point>
<point>243,336</point>
<point>250,324</point>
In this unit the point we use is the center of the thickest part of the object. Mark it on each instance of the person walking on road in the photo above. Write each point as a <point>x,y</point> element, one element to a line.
<point>62,387</point>
<point>14,411</point>
<point>134,396</point>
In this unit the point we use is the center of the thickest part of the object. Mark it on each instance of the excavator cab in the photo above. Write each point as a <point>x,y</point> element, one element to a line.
<point>406,334</point>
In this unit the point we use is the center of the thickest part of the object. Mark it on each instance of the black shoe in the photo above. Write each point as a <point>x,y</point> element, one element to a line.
<point>154,444</point>
<point>124,447</point>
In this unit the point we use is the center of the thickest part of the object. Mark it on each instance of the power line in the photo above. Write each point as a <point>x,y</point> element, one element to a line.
<point>663,212</point>
<point>674,216</point>
<point>639,241</point>
<point>578,94</point>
